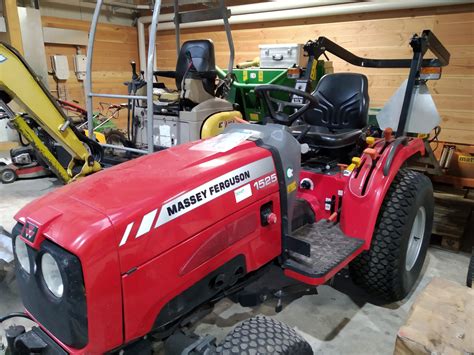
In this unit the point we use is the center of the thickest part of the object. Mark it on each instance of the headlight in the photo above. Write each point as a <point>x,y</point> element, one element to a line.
<point>52,275</point>
<point>22,254</point>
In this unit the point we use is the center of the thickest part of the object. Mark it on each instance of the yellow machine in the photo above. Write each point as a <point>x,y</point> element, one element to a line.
<point>19,83</point>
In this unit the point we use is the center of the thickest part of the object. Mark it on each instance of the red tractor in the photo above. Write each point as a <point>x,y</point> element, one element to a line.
<point>141,250</point>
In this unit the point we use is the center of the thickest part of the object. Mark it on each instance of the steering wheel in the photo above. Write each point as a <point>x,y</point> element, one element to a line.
<point>279,116</point>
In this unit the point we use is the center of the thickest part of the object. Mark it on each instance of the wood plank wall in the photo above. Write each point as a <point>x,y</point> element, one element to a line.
<point>376,35</point>
<point>115,46</point>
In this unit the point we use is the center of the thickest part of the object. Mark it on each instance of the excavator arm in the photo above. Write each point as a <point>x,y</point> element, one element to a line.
<point>19,83</point>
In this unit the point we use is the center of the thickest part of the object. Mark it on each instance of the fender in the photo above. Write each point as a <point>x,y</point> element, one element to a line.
<point>367,187</point>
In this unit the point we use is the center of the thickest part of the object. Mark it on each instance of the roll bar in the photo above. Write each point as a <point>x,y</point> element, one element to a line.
<point>191,16</point>
<point>420,45</point>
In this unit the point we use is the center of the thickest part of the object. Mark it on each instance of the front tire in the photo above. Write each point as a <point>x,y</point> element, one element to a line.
<point>390,268</point>
<point>263,335</point>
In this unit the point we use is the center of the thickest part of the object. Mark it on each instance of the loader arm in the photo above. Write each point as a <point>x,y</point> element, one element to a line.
<point>19,83</point>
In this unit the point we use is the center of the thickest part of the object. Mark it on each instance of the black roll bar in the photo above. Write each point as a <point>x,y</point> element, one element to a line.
<point>420,45</point>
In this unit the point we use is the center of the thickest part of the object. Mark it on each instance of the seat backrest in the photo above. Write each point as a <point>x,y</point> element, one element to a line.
<point>343,102</point>
<point>201,52</point>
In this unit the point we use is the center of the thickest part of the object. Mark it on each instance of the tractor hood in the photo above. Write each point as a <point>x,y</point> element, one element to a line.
<point>154,202</point>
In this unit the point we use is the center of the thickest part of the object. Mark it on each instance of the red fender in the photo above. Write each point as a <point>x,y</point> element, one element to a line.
<point>367,187</point>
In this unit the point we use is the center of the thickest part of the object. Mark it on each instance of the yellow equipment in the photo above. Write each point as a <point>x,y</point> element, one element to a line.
<point>19,83</point>
<point>216,123</point>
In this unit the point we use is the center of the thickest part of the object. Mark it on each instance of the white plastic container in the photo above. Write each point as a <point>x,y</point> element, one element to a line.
<point>281,56</point>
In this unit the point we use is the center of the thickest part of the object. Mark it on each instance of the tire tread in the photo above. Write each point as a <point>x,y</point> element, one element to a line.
<point>263,335</point>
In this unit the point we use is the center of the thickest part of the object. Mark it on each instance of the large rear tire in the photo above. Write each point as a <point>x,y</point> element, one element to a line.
<point>263,335</point>
<point>392,265</point>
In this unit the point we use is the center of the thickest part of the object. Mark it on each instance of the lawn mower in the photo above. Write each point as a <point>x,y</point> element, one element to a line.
<point>124,258</point>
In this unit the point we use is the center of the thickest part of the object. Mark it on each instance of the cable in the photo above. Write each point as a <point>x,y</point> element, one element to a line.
<point>14,315</point>
<point>437,131</point>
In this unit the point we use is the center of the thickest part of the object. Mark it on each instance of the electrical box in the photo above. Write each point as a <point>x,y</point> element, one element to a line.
<point>80,62</point>
<point>60,67</point>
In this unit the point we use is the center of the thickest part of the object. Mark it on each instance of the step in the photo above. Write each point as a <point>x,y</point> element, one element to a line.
<point>331,250</point>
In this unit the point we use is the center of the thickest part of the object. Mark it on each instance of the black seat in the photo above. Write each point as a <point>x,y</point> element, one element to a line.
<point>201,53</point>
<point>342,112</point>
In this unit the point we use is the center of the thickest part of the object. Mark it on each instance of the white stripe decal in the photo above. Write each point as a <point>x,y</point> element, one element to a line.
<point>147,222</point>
<point>126,234</point>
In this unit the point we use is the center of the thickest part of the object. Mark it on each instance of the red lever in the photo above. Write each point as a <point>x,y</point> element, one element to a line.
<point>272,218</point>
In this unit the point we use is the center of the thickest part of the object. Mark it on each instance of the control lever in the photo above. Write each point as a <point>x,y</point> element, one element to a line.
<point>134,70</point>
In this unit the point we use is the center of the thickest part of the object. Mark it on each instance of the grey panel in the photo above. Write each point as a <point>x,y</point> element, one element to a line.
<point>33,43</point>
<point>63,36</point>
<point>289,149</point>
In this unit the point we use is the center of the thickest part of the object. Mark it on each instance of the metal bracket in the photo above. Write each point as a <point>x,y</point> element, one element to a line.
<point>297,246</point>
<point>202,15</point>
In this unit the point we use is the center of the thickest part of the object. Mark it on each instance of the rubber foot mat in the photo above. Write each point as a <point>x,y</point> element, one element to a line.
<point>329,247</point>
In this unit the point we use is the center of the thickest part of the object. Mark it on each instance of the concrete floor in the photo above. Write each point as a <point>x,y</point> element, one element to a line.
<point>341,319</point>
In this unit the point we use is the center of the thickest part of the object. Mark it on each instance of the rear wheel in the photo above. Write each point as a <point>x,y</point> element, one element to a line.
<point>7,175</point>
<point>400,241</point>
<point>263,335</point>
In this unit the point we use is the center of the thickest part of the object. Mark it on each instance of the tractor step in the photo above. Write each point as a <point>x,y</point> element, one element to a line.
<point>331,250</point>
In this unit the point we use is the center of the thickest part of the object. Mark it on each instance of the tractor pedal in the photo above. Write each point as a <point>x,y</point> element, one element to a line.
<point>331,250</point>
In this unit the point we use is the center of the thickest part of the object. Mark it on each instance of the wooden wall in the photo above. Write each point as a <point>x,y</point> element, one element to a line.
<point>115,47</point>
<point>376,35</point>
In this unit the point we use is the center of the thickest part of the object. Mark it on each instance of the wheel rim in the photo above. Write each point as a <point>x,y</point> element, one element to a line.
<point>8,176</point>
<point>416,238</point>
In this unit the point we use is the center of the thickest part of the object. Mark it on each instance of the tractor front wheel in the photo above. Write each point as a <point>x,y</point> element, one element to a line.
<point>390,268</point>
<point>263,335</point>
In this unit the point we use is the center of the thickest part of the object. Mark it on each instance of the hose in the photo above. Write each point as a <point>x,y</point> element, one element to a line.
<point>14,315</point>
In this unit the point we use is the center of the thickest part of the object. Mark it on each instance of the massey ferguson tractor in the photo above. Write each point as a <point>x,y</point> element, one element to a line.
<point>139,252</point>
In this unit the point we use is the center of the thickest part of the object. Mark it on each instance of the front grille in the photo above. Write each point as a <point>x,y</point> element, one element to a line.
<point>65,317</point>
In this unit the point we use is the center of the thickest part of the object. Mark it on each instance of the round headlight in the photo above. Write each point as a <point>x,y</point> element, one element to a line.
<point>22,254</point>
<point>52,275</point>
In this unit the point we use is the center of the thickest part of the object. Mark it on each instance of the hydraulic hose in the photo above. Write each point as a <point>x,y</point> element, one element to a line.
<point>15,315</point>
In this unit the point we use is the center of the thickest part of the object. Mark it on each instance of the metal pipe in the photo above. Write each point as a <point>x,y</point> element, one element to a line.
<point>149,75</point>
<point>88,81</point>
<point>117,96</point>
<point>319,11</point>
<point>176,26</point>
<point>228,33</point>
<point>141,44</point>
<point>269,6</point>
<point>118,147</point>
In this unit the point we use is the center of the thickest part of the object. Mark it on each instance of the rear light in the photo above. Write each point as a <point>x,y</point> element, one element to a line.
<point>430,73</point>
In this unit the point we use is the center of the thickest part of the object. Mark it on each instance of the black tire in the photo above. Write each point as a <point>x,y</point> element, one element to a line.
<point>117,137</point>
<point>7,175</point>
<point>263,335</point>
<point>470,272</point>
<point>383,269</point>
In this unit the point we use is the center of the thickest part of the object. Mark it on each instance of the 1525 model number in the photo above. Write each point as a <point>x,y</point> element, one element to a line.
<point>265,181</point>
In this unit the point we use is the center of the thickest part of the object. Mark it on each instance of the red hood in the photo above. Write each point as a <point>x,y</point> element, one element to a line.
<point>126,193</point>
